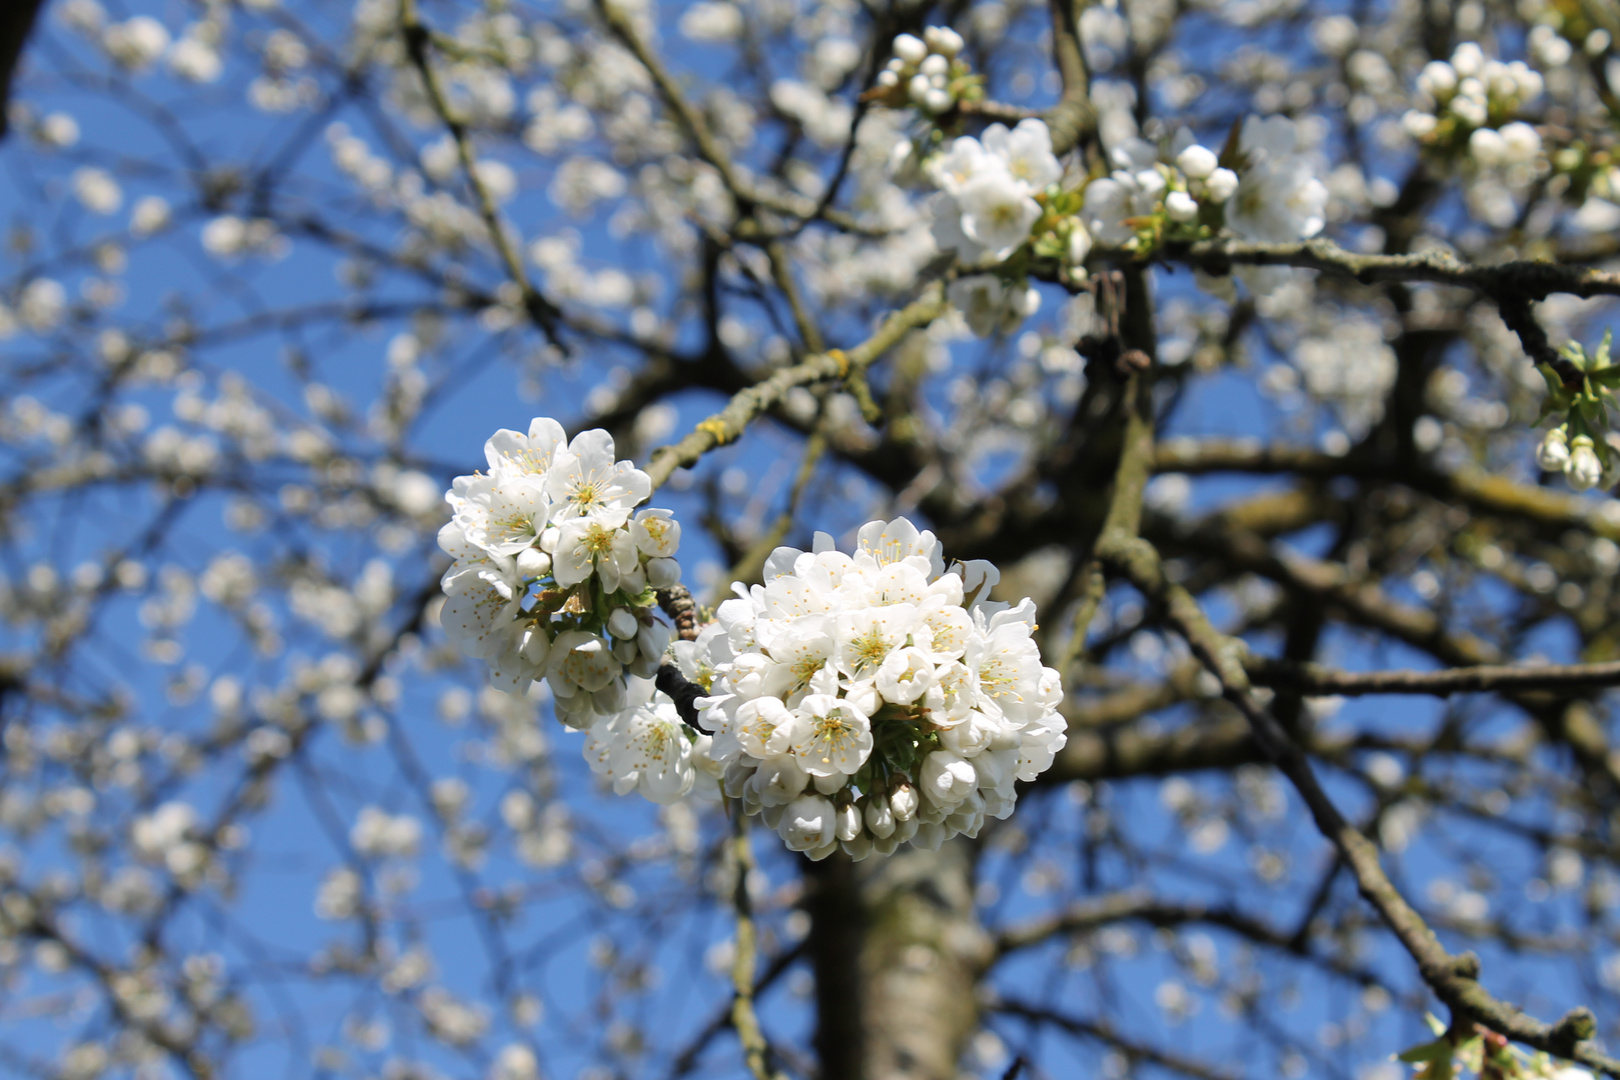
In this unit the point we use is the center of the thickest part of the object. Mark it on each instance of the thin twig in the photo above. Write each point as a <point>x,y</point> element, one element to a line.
<point>1454,979</point>
<point>747,194</point>
<point>544,314</point>
<point>1316,679</point>
<point>756,1051</point>
<point>728,424</point>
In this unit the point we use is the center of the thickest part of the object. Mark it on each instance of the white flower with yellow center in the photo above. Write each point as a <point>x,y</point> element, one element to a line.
<point>585,481</point>
<point>829,736</point>
<point>528,455</point>
<point>502,514</point>
<point>646,748</point>
<point>656,532</point>
<point>580,662</point>
<point>591,545</point>
<point>866,637</point>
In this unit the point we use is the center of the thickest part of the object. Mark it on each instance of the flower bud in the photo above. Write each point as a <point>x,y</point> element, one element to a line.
<point>1521,142</point>
<point>1553,453</point>
<point>536,645</point>
<point>653,639</point>
<point>1024,302</point>
<point>624,651</point>
<point>1468,59</point>
<point>1437,79</point>
<point>1197,162</point>
<point>533,563</point>
<point>847,825</point>
<point>548,538</point>
<point>910,49</point>
<point>622,623</point>
<point>879,817</point>
<point>663,573</point>
<point>858,847</point>
<point>1419,124</point>
<point>917,89</point>
<point>934,65</point>
<point>1079,244</point>
<point>1470,110</point>
<point>1528,81</point>
<point>943,40</point>
<point>1181,207</point>
<point>1584,470</point>
<point>887,79</point>
<point>1220,185</point>
<point>903,801</point>
<point>1487,147</point>
<point>938,101</point>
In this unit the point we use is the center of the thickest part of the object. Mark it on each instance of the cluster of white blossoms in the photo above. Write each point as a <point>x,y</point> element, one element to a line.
<point>1471,103</point>
<point>862,701</point>
<point>1145,197</point>
<point>1580,443</point>
<point>927,69</point>
<point>647,747</point>
<point>1577,458</point>
<point>993,190</point>
<point>556,570</point>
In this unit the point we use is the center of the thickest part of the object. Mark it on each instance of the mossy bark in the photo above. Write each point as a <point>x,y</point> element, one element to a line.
<point>897,949</point>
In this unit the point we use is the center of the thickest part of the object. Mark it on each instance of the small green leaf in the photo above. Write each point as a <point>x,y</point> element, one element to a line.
<point>1429,1051</point>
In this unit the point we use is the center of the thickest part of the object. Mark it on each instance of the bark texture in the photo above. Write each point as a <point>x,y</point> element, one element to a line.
<point>897,950</point>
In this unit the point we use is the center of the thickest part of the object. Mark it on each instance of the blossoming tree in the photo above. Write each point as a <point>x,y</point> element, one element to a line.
<point>1011,539</point>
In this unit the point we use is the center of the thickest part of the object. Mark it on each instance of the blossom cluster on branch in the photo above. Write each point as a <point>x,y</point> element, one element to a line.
<point>860,701</point>
<point>556,570</point>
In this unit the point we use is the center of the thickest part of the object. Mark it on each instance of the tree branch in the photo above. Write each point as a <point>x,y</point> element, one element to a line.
<point>542,312</point>
<point>728,424</point>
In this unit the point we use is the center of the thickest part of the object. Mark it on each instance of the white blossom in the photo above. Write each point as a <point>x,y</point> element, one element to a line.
<point>864,677</point>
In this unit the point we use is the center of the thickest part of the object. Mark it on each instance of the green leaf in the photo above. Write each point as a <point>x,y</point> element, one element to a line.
<point>1555,385</point>
<point>1429,1051</point>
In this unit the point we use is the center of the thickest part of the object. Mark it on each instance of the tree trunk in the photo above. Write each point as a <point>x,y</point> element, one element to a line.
<point>897,951</point>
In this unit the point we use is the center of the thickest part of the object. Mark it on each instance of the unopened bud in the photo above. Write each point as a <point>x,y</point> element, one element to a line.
<point>1553,453</point>
<point>1181,207</point>
<point>879,817</point>
<point>533,563</point>
<point>1197,162</point>
<point>1220,186</point>
<point>623,624</point>
<point>847,826</point>
<point>1584,470</point>
<point>663,573</point>
<point>910,49</point>
<point>943,40</point>
<point>903,801</point>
